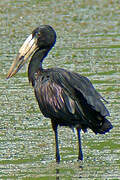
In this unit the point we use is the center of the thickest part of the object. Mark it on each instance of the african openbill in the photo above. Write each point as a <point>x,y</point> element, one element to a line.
<point>67,98</point>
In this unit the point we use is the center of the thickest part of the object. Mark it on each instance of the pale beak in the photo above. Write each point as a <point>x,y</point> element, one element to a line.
<point>27,49</point>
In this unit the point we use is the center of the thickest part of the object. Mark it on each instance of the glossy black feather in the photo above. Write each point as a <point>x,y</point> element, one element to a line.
<point>70,99</point>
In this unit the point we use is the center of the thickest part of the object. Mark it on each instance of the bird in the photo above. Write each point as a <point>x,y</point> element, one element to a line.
<point>65,97</point>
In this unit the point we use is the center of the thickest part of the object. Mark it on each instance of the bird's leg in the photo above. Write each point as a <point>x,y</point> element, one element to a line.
<point>80,155</point>
<point>55,126</point>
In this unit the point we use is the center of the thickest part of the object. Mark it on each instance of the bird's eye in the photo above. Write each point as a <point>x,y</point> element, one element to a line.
<point>38,34</point>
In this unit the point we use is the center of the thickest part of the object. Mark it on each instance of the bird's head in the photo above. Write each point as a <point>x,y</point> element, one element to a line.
<point>43,37</point>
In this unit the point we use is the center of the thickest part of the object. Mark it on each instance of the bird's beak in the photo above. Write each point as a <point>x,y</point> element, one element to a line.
<point>29,46</point>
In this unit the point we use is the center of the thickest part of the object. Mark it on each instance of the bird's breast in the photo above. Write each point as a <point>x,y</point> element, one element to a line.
<point>48,95</point>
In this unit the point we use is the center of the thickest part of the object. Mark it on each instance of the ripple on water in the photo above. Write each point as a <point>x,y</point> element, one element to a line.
<point>87,43</point>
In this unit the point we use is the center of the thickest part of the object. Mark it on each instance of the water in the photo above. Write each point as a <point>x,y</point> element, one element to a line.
<point>88,42</point>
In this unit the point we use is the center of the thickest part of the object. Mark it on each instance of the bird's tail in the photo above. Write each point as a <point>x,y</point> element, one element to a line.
<point>105,127</point>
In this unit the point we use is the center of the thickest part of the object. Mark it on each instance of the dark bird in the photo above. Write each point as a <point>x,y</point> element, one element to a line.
<point>67,98</point>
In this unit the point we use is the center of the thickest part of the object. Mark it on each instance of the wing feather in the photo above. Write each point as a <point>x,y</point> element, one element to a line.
<point>52,99</point>
<point>73,82</point>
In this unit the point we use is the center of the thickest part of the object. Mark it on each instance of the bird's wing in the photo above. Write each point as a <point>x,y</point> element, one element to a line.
<point>54,101</point>
<point>77,87</point>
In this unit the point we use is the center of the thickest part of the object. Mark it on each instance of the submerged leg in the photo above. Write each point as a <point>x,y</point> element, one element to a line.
<point>55,126</point>
<point>80,155</point>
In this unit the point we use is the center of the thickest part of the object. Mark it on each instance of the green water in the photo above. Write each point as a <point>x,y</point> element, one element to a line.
<point>88,42</point>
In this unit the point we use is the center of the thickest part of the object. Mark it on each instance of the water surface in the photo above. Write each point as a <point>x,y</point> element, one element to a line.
<point>88,42</point>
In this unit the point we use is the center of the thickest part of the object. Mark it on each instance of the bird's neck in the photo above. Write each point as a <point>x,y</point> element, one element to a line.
<point>36,63</point>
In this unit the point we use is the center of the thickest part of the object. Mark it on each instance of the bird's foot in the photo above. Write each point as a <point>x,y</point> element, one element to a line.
<point>80,157</point>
